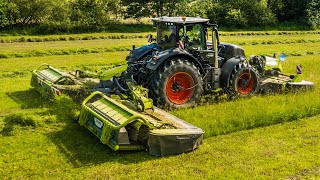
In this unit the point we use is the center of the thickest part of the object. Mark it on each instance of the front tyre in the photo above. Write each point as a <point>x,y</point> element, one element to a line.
<point>178,84</point>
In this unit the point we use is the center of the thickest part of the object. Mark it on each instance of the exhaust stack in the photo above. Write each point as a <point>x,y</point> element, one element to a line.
<point>216,71</point>
<point>215,43</point>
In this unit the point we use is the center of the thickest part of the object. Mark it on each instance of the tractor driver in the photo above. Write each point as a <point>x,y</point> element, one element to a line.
<point>171,40</point>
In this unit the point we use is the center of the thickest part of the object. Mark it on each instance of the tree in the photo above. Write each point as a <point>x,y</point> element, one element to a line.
<point>92,14</point>
<point>30,11</point>
<point>193,8</point>
<point>275,6</point>
<point>139,8</point>
<point>3,14</point>
<point>313,14</point>
<point>241,13</point>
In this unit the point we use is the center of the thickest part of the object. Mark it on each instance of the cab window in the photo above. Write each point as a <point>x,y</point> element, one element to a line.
<point>195,37</point>
<point>167,35</point>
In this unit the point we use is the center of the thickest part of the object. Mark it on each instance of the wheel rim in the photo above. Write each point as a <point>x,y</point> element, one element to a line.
<point>245,83</point>
<point>179,88</point>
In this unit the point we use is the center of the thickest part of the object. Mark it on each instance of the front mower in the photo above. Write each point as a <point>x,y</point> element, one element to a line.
<point>135,124</point>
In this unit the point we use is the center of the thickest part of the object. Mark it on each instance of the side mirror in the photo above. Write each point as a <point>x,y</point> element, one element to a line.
<point>150,39</point>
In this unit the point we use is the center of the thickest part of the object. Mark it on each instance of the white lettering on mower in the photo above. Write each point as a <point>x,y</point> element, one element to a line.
<point>97,122</point>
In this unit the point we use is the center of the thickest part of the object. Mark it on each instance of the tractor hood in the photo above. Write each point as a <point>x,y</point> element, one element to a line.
<point>160,56</point>
<point>139,52</point>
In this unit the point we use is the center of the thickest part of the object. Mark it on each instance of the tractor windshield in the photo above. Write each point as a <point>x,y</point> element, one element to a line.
<point>167,35</point>
<point>192,35</point>
<point>195,38</point>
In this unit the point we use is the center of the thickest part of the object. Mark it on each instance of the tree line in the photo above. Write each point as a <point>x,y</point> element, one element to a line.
<point>99,15</point>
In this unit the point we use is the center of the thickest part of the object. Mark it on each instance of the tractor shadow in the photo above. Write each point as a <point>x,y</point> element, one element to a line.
<point>75,142</point>
<point>29,99</point>
<point>82,148</point>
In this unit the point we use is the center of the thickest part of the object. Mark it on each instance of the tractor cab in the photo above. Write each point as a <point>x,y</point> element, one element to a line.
<point>181,31</point>
<point>191,33</point>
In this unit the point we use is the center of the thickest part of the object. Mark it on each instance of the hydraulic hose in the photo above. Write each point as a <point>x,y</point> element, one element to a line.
<point>115,80</point>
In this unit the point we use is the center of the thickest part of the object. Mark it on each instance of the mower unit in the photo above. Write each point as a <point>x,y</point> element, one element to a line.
<point>118,125</point>
<point>273,81</point>
<point>45,77</point>
<point>51,81</point>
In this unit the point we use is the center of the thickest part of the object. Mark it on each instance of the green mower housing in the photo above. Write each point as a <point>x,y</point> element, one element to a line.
<point>122,128</point>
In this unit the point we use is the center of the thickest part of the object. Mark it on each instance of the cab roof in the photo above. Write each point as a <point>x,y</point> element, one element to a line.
<point>179,20</point>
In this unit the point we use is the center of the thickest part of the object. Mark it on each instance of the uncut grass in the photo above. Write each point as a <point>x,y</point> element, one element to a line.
<point>251,113</point>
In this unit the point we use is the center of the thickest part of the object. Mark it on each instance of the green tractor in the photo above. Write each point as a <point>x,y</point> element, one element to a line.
<point>183,65</point>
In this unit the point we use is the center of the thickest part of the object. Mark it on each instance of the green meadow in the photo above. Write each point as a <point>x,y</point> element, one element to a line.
<point>263,137</point>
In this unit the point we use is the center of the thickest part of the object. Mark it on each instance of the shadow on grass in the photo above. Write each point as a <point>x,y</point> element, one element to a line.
<point>76,143</point>
<point>82,148</point>
<point>29,99</point>
<point>22,119</point>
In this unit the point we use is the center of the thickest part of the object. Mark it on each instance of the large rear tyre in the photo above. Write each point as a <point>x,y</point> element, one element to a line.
<point>178,84</point>
<point>244,81</point>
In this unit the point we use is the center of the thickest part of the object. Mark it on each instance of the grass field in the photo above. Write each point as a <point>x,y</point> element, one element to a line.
<point>263,137</point>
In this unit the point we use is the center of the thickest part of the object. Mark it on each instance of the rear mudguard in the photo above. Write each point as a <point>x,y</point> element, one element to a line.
<point>227,69</point>
<point>121,128</point>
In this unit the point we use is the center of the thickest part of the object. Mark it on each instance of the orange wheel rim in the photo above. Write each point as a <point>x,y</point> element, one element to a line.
<point>179,88</point>
<point>245,83</point>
